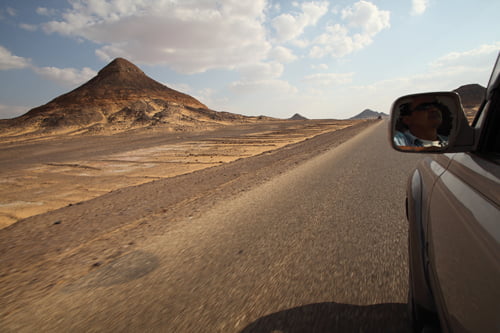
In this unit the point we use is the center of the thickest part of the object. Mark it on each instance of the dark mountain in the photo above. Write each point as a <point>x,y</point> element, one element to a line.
<point>123,81</point>
<point>369,114</point>
<point>472,95</point>
<point>120,97</point>
<point>298,117</point>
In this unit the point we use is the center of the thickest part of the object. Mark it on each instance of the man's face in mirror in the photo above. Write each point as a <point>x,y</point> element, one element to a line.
<point>423,117</point>
<point>424,121</point>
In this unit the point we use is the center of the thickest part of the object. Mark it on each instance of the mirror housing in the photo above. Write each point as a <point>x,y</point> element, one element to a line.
<point>430,123</point>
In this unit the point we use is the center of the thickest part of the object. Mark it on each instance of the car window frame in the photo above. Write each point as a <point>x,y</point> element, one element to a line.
<point>487,120</point>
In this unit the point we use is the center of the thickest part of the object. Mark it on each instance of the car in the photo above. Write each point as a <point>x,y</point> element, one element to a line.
<point>453,209</point>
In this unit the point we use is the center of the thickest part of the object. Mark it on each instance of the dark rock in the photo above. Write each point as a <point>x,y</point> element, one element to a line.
<point>471,95</point>
<point>298,117</point>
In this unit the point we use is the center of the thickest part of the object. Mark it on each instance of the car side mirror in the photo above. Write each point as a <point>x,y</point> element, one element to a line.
<point>430,122</point>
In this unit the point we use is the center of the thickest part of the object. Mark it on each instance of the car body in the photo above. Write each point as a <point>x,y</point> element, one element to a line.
<point>453,211</point>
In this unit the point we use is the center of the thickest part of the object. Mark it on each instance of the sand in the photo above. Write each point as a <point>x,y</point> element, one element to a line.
<point>42,174</point>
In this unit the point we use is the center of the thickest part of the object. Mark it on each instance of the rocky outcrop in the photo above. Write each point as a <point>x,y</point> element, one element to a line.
<point>298,116</point>
<point>472,96</point>
<point>121,96</point>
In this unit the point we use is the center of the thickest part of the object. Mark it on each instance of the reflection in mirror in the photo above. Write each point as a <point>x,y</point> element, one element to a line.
<point>424,122</point>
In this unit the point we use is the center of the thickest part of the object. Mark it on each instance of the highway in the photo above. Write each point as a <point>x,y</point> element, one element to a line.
<point>319,248</point>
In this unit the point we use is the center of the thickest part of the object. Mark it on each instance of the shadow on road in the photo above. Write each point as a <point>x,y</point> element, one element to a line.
<point>334,317</point>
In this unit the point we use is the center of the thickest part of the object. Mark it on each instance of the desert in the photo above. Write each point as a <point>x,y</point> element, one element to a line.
<point>46,173</point>
<point>247,166</point>
<point>91,179</point>
<point>120,129</point>
<point>84,177</point>
<point>73,206</point>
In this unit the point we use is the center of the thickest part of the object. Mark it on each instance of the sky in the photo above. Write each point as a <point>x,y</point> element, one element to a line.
<point>321,59</point>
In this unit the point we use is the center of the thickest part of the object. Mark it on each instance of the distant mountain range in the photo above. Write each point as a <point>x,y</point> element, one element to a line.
<point>120,97</point>
<point>369,114</point>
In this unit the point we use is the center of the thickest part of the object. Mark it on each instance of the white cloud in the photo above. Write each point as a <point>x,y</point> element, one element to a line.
<point>335,9</point>
<point>338,40</point>
<point>10,61</point>
<point>289,27</point>
<point>313,11</point>
<point>205,93</point>
<point>329,79</point>
<point>209,97</point>
<point>45,11</point>
<point>271,87</point>
<point>28,27</point>
<point>189,36</point>
<point>320,66</point>
<point>484,54</point>
<point>300,43</point>
<point>443,79</point>
<point>445,73</point>
<point>261,71</point>
<point>418,7</point>
<point>263,78</point>
<point>282,54</point>
<point>66,76</point>
<point>286,27</point>
<point>198,35</point>
<point>366,16</point>
<point>11,11</point>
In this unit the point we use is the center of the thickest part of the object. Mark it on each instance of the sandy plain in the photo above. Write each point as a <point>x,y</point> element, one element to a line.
<point>41,174</point>
<point>91,200</point>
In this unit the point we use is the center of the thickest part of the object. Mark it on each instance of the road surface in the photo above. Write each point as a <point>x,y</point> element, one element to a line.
<point>319,248</point>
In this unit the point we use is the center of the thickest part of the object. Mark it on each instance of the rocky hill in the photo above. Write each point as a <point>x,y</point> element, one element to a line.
<point>369,114</point>
<point>471,95</point>
<point>298,116</point>
<point>120,97</point>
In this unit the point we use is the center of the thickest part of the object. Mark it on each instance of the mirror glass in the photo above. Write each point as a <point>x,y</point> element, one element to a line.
<point>424,122</point>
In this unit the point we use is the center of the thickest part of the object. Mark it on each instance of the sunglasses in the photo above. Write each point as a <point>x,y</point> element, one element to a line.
<point>426,107</point>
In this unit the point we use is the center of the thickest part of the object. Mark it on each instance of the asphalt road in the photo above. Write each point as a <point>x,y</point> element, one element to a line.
<point>320,248</point>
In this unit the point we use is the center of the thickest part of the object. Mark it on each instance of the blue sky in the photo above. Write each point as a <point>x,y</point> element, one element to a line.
<point>322,59</point>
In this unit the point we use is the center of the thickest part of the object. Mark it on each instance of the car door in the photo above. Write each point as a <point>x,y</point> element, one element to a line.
<point>464,231</point>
